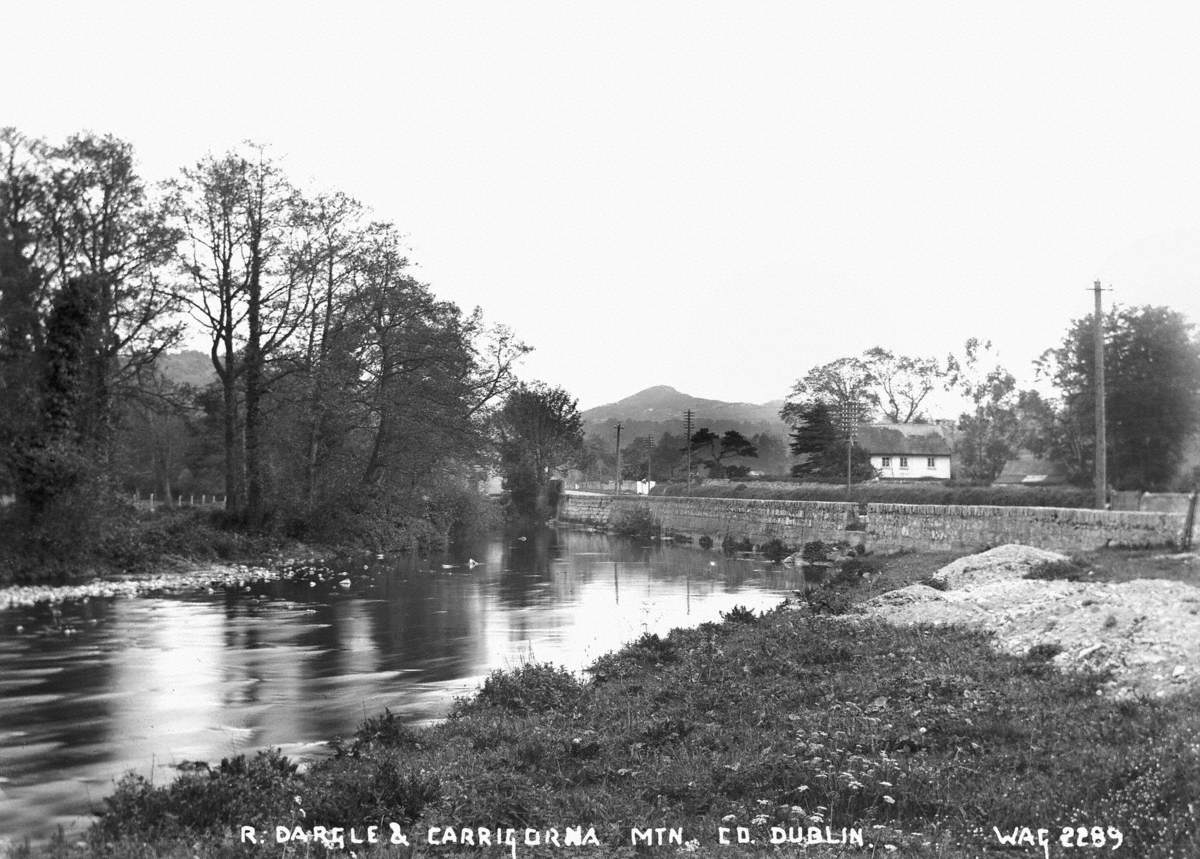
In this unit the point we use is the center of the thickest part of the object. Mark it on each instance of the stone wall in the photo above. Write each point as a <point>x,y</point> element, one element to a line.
<point>758,520</point>
<point>885,527</point>
<point>923,526</point>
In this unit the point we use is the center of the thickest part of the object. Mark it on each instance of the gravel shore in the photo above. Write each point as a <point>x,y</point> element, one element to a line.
<point>199,578</point>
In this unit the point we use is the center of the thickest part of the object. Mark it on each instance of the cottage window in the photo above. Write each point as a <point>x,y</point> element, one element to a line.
<point>887,462</point>
<point>931,462</point>
<point>904,462</point>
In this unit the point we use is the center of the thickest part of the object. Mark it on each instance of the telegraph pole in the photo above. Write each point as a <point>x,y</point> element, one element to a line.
<point>649,452</point>
<point>1101,435</point>
<point>617,482</point>
<point>687,420</point>
<point>849,421</point>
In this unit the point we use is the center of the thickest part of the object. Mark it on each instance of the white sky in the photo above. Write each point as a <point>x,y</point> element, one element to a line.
<point>711,196</point>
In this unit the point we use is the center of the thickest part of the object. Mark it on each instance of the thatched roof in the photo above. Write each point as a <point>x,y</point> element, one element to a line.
<point>903,440</point>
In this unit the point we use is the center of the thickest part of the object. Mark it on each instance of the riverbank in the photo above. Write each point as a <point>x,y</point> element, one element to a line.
<point>169,551</point>
<point>922,742</point>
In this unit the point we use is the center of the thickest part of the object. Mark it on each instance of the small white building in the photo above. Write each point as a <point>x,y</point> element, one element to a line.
<point>907,451</point>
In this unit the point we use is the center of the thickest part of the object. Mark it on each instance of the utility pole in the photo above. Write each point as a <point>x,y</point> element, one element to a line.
<point>649,452</point>
<point>1101,435</point>
<point>617,482</point>
<point>849,422</point>
<point>687,421</point>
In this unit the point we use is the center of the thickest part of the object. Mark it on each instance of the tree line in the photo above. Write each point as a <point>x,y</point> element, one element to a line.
<point>1152,389</point>
<point>346,397</point>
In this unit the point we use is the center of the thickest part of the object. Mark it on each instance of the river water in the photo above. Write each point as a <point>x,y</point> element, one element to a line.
<point>147,683</point>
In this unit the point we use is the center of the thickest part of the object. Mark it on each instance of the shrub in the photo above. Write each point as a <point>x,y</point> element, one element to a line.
<point>386,730</point>
<point>254,791</point>
<point>1062,570</point>
<point>528,689</point>
<point>858,566</point>
<point>731,546</point>
<point>815,551</point>
<point>705,542</point>
<point>651,648</point>
<point>774,550</point>
<point>739,614</point>
<point>1044,652</point>
<point>638,522</point>
<point>827,599</point>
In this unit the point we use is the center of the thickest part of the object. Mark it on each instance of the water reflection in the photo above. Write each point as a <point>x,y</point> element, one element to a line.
<point>145,684</point>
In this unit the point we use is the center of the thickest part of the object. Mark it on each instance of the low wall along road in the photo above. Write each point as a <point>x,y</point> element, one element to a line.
<point>885,527</point>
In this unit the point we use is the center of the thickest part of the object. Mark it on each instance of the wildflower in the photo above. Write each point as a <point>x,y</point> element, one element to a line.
<point>889,800</point>
<point>689,846</point>
<point>760,820</point>
<point>729,818</point>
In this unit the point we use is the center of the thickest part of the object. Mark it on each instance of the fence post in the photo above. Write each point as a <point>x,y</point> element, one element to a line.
<point>1189,523</point>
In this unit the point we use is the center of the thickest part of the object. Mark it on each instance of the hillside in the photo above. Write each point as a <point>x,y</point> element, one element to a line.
<point>661,408</point>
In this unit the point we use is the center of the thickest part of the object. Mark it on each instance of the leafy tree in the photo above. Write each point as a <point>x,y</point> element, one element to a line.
<point>895,385</point>
<point>900,383</point>
<point>84,295</point>
<point>838,383</point>
<point>990,433</point>
<point>539,433</point>
<point>772,453</point>
<point>1152,375</point>
<point>22,291</point>
<point>236,214</point>
<point>715,449</point>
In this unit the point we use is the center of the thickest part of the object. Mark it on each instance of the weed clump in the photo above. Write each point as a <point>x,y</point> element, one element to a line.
<point>730,546</point>
<point>827,599</point>
<point>775,550</point>
<point>815,552</point>
<point>1044,652</point>
<point>1068,570</point>
<point>530,688</point>
<point>638,522</point>
<point>255,791</point>
<point>739,614</point>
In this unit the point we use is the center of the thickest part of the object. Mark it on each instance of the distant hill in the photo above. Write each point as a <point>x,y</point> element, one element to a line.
<point>661,408</point>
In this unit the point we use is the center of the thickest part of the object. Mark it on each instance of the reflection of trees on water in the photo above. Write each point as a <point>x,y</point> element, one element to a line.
<point>208,676</point>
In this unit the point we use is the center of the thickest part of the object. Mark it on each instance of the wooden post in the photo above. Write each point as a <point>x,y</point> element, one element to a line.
<point>617,482</point>
<point>1189,523</point>
<point>1101,440</point>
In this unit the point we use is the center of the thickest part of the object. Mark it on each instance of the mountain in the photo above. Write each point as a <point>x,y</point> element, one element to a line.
<point>664,405</point>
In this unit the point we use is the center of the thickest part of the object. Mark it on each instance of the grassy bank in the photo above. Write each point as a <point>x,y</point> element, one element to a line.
<point>131,541</point>
<point>925,740</point>
<point>136,542</point>
<point>895,493</point>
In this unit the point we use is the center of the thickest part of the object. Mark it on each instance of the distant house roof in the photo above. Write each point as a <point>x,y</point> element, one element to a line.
<point>1029,470</point>
<point>903,439</point>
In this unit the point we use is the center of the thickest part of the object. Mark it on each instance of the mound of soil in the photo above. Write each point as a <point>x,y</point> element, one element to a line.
<point>1144,634</point>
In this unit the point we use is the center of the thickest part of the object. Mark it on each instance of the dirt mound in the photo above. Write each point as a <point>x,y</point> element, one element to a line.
<point>1145,634</point>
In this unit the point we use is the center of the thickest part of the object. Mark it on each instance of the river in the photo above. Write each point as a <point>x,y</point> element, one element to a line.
<point>147,683</point>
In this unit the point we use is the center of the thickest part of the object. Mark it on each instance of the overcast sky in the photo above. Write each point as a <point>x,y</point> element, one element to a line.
<point>711,196</point>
